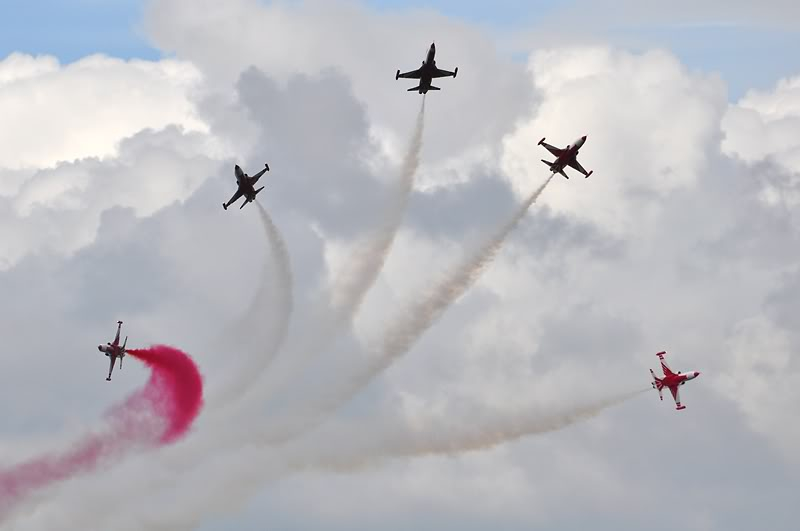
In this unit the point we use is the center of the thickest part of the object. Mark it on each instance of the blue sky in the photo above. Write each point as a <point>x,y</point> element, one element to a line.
<point>70,29</point>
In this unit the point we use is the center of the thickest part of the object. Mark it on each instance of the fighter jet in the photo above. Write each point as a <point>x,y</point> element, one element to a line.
<point>114,351</point>
<point>565,157</point>
<point>245,184</point>
<point>671,380</point>
<point>426,73</point>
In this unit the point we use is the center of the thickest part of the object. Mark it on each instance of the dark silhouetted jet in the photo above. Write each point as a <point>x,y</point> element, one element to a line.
<point>245,184</point>
<point>565,157</point>
<point>426,73</point>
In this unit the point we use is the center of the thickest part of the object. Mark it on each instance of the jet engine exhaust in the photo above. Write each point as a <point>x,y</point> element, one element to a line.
<point>158,414</point>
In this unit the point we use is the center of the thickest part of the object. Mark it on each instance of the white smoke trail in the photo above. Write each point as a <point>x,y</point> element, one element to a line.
<point>347,295</point>
<point>278,293</point>
<point>403,332</point>
<point>367,260</point>
<point>238,473</point>
<point>359,274</point>
<point>452,434</point>
<point>345,450</point>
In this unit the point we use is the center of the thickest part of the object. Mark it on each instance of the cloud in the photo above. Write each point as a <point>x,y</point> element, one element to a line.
<point>366,46</point>
<point>764,126</point>
<point>669,245</point>
<point>621,101</point>
<point>762,380</point>
<point>54,113</point>
<point>57,210</point>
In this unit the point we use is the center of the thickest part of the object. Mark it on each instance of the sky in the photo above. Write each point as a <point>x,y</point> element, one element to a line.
<point>748,55</point>
<point>418,329</point>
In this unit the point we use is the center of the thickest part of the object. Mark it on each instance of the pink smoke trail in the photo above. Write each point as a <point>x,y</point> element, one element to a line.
<point>160,413</point>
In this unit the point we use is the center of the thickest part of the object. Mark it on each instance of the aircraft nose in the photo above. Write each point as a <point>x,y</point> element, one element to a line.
<point>583,138</point>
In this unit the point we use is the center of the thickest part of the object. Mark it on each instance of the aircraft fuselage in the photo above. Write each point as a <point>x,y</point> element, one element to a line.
<point>569,154</point>
<point>673,380</point>
<point>427,70</point>
<point>247,189</point>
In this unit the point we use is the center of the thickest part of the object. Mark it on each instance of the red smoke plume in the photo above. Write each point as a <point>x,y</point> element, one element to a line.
<point>158,414</point>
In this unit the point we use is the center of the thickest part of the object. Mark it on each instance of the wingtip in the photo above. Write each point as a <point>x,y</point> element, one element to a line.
<point>541,141</point>
<point>397,75</point>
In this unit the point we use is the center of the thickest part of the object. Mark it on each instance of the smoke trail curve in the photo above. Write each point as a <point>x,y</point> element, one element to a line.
<point>281,301</point>
<point>359,274</point>
<point>446,436</point>
<point>160,413</point>
<point>348,450</point>
<point>348,294</point>
<point>397,340</point>
<point>403,332</point>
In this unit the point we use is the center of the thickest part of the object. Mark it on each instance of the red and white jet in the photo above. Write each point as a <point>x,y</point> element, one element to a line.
<point>671,380</point>
<point>565,157</point>
<point>114,351</point>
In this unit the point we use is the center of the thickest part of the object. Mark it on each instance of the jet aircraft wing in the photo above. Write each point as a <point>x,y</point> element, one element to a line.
<point>664,366</point>
<point>235,197</point>
<point>254,179</point>
<point>443,73</point>
<point>552,149</point>
<point>414,74</point>
<point>111,360</point>
<point>116,338</point>
<point>577,166</point>
<point>677,396</point>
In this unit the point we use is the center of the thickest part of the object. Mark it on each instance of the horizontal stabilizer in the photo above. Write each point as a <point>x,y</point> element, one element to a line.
<point>412,89</point>
<point>547,162</point>
<point>433,88</point>
<point>256,192</point>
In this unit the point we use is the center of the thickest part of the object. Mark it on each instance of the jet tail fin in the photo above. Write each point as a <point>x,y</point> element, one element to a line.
<point>122,352</point>
<point>551,164</point>
<point>657,384</point>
